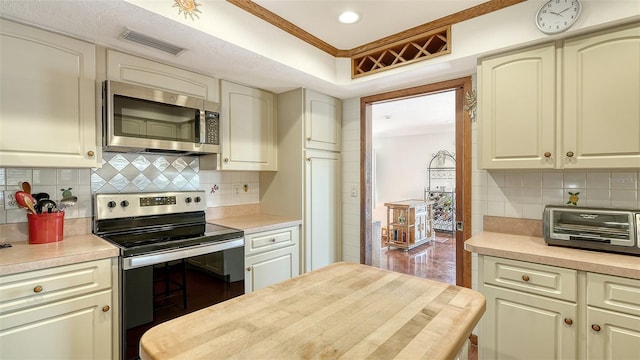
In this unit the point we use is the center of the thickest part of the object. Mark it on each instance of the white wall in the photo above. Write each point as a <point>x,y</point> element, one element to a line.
<point>401,167</point>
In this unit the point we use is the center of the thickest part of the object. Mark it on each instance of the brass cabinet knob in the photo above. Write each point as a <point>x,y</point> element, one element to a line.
<point>547,154</point>
<point>570,154</point>
<point>226,160</point>
<point>106,308</point>
<point>568,321</point>
<point>90,153</point>
<point>309,138</point>
<point>249,268</point>
<point>37,289</point>
<point>273,240</point>
<point>525,277</point>
<point>595,327</point>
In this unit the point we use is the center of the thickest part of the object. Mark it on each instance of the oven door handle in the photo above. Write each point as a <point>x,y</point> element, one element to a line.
<point>177,254</point>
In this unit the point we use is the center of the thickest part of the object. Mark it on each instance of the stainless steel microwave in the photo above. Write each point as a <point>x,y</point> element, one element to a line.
<point>593,228</point>
<point>142,119</point>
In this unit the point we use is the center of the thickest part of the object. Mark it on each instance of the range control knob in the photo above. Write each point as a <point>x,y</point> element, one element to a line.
<point>111,204</point>
<point>197,199</point>
<point>188,200</point>
<point>124,203</point>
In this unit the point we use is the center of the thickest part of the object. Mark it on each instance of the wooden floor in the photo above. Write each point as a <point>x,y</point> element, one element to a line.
<point>435,260</point>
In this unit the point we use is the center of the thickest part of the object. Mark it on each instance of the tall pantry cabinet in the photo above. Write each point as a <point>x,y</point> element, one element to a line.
<point>307,183</point>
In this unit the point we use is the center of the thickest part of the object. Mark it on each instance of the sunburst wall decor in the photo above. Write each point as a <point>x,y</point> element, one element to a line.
<point>188,7</point>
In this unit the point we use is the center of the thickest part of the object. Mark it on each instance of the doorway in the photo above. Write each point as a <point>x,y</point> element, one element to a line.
<point>463,169</point>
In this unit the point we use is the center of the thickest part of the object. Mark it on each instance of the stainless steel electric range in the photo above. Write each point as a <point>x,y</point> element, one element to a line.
<point>164,242</point>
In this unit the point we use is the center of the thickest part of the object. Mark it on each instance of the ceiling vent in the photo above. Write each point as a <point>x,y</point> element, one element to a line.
<point>146,40</point>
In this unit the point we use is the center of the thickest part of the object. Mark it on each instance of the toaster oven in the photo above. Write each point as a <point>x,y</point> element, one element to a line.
<point>602,229</point>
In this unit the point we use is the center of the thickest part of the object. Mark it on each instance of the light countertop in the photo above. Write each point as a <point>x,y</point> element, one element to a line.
<point>23,256</point>
<point>344,310</point>
<point>534,249</point>
<point>256,223</point>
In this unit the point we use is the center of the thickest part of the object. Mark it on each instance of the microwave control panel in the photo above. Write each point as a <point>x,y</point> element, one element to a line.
<point>212,121</point>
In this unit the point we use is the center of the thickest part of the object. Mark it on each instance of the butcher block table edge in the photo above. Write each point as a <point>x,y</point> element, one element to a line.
<point>343,310</point>
<point>535,250</point>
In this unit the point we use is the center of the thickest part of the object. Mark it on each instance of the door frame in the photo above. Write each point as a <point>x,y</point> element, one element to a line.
<point>463,169</point>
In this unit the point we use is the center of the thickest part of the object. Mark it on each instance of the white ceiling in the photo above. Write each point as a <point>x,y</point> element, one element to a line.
<point>103,21</point>
<point>378,18</point>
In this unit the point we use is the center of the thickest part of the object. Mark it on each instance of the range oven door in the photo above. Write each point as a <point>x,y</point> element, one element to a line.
<point>141,118</point>
<point>162,286</point>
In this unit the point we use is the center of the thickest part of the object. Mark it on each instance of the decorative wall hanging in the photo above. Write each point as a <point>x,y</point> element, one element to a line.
<point>189,7</point>
<point>470,100</point>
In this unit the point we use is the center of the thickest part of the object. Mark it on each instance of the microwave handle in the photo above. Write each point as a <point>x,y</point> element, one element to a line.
<point>203,127</point>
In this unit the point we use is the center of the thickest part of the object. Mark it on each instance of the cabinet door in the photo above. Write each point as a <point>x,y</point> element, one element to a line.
<point>323,122</point>
<point>247,128</point>
<point>322,245</point>
<point>76,328</point>
<point>601,124</point>
<point>48,99</point>
<point>517,325</point>
<point>612,335</point>
<point>136,70</point>
<point>270,267</point>
<point>517,109</point>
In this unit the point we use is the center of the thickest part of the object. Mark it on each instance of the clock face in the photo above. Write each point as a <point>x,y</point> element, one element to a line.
<point>557,15</point>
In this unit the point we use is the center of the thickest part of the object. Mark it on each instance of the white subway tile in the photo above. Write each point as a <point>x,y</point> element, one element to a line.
<point>598,179</point>
<point>624,198</point>
<point>532,179</point>
<point>513,179</point>
<point>552,179</point>
<point>575,180</point>
<point>495,208</point>
<point>624,180</point>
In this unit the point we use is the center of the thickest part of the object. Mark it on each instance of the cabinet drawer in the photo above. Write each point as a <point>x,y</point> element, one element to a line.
<point>269,240</point>
<point>614,293</point>
<point>538,279</point>
<point>41,286</point>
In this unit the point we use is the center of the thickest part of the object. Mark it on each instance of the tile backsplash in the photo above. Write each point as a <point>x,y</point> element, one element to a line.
<point>129,172</point>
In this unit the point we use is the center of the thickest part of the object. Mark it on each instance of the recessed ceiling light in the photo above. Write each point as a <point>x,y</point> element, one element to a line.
<point>348,17</point>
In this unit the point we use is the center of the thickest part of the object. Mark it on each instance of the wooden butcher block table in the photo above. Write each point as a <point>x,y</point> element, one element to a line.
<point>342,311</point>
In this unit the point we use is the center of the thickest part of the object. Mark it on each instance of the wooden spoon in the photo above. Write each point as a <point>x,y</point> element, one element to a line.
<point>26,187</point>
<point>25,200</point>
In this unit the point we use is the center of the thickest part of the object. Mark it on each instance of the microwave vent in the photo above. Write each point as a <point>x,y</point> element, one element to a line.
<point>146,40</point>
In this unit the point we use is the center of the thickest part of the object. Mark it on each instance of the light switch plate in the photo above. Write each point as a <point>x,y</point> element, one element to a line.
<point>10,200</point>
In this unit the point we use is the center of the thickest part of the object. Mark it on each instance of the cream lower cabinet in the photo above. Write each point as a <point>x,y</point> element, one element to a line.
<point>58,313</point>
<point>270,257</point>
<point>569,104</point>
<point>537,311</point>
<point>48,99</point>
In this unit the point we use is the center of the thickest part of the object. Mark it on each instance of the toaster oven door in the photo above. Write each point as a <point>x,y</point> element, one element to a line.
<point>593,225</point>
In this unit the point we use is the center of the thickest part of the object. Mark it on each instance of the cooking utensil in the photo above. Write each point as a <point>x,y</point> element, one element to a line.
<point>45,206</point>
<point>25,200</point>
<point>26,187</point>
<point>67,202</point>
<point>41,196</point>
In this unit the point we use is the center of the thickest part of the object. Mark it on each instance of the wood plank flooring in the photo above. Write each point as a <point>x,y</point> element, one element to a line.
<point>435,260</point>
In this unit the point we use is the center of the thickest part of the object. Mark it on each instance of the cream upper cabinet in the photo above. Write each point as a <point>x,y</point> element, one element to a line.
<point>601,100</point>
<point>571,107</point>
<point>323,121</point>
<point>47,99</point>
<point>307,185</point>
<point>247,127</point>
<point>517,106</point>
<point>135,70</point>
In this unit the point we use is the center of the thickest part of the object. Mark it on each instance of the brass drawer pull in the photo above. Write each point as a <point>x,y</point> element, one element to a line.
<point>37,289</point>
<point>568,321</point>
<point>595,327</point>
<point>525,277</point>
<point>106,308</point>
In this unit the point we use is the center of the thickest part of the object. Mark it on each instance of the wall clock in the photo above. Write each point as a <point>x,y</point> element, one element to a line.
<point>556,16</point>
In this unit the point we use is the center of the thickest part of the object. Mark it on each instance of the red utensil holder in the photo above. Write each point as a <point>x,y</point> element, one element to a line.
<point>45,228</point>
